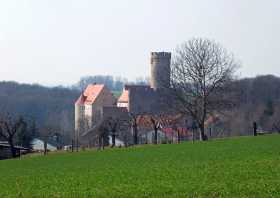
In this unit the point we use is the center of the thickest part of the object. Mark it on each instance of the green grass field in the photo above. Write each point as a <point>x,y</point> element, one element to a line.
<point>237,167</point>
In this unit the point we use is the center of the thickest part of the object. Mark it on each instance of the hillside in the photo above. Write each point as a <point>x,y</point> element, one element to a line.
<point>246,166</point>
<point>48,107</point>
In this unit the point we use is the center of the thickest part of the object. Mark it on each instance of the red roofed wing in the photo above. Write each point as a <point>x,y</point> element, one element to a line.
<point>90,94</point>
<point>124,96</point>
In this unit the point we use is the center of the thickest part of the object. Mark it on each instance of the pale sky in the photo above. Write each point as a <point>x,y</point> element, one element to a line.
<point>55,42</point>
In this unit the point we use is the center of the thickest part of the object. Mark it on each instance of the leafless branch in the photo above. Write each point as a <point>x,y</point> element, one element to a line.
<point>200,75</point>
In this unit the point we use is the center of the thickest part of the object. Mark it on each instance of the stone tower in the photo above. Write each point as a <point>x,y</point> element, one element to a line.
<point>160,70</point>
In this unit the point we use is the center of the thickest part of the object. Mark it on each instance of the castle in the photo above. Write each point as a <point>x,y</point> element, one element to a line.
<point>97,102</point>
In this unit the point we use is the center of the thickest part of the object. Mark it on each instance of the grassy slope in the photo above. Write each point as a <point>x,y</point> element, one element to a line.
<point>245,166</point>
<point>117,94</point>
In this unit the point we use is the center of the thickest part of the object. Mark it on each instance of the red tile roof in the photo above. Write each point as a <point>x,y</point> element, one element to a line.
<point>90,94</point>
<point>80,100</point>
<point>171,131</point>
<point>124,96</point>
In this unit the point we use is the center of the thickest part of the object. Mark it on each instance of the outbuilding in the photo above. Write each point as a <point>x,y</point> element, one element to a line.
<point>5,150</point>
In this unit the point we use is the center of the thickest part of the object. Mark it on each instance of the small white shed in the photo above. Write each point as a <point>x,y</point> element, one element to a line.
<point>117,142</point>
<point>38,145</point>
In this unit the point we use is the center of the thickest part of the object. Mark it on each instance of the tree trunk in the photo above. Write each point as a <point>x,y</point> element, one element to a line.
<point>45,147</point>
<point>125,141</point>
<point>77,145</point>
<point>135,134</point>
<point>255,127</point>
<point>178,136</point>
<point>12,147</point>
<point>99,142</point>
<point>156,135</point>
<point>203,137</point>
<point>72,148</point>
<point>113,139</point>
<point>13,150</point>
<point>193,135</point>
<point>103,143</point>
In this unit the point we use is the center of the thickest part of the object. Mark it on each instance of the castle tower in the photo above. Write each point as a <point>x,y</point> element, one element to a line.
<point>160,70</point>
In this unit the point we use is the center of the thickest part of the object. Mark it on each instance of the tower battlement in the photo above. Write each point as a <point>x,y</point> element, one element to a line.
<point>162,55</point>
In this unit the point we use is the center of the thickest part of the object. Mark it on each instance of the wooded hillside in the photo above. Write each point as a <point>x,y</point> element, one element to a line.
<point>259,100</point>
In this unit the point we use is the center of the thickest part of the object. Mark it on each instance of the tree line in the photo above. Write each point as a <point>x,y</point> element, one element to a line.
<point>113,83</point>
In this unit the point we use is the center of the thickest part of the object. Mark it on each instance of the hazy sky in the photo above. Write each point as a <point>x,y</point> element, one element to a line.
<point>57,41</point>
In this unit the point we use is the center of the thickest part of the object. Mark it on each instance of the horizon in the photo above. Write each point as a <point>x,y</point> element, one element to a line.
<point>55,43</point>
<point>69,86</point>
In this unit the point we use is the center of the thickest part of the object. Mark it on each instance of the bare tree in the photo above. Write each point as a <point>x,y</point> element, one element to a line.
<point>102,135</point>
<point>9,128</point>
<point>124,128</point>
<point>109,125</point>
<point>274,121</point>
<point>200,75</point>
<point>113,125</point>
<point>178,124</point>
<point>157,125</point>
<point>116,127</point>
<point>134,126</point>
<point>83,127</point>
<point>134,119</point>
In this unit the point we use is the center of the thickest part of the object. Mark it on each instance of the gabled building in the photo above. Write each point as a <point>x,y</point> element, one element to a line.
<point>89,106</point>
